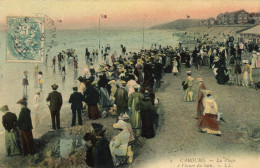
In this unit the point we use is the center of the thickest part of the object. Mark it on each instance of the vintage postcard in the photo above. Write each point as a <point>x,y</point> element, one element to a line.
<point>130,83</point>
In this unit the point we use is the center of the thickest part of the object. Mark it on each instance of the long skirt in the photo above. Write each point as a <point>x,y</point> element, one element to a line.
<point>245,79</point>
<point>188,94</point>
<point>89,157</point>
<point>175,70</point>
<point>147,124</point>
<point>200,108</point>
<point>25,81</point>
<point>208,123</point>
<point>93,112</point>
<point>26,138</point>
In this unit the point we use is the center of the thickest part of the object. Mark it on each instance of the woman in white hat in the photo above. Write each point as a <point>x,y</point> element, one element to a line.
<point>245,71</point>
<point>126,119</point>
<point>118,145</point>
<point>208,122</point>
<point>188,92</point>
<point>175,65</point>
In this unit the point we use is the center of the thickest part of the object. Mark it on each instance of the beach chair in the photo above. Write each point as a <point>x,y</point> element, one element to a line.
<point>136,141</point>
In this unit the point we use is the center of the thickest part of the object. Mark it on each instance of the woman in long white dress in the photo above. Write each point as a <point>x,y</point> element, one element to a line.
<point>36,108</point>
<point>175,69</point>
<point>245,71</point>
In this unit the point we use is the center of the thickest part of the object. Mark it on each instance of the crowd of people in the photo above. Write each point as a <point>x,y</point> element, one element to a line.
<point>123,88</point>
<point>232,62</point>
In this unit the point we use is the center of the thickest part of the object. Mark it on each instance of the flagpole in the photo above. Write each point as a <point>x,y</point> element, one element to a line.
<point>99,31</point>
<point>143,33</point>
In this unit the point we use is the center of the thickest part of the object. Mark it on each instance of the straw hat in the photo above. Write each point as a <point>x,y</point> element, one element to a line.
<point>37,91</point>
<point>120,125</point>
<point>111,82</point>
<point>199,79</point>
<point>245,61</point>
<point>136,86</point>
<point>94,83</point>
<point>188,72</point>
<point>124,117</point>
<point>4,108</point>
<point>122,70</point>
<point>103,70</point>
<point>207,91</point>
<point>54,86</point>
<point>25,72</point>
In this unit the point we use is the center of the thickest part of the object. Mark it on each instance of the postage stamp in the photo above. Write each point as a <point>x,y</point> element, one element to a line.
<point>25,39</point>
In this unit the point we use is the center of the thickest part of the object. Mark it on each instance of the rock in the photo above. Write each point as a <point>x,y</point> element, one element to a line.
<point>255,133</point>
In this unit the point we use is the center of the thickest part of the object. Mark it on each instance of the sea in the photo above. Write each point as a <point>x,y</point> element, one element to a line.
<point>11,73</point>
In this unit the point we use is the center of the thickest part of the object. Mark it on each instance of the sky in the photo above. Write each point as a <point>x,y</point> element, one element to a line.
<point>81,14</point>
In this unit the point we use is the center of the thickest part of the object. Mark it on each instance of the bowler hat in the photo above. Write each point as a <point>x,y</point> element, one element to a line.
<point>54,86</point>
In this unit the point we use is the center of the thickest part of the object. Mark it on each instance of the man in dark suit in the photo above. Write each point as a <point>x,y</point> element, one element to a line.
<point>76,100</point>
<point>9,121</point>
<point>55,100</point>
